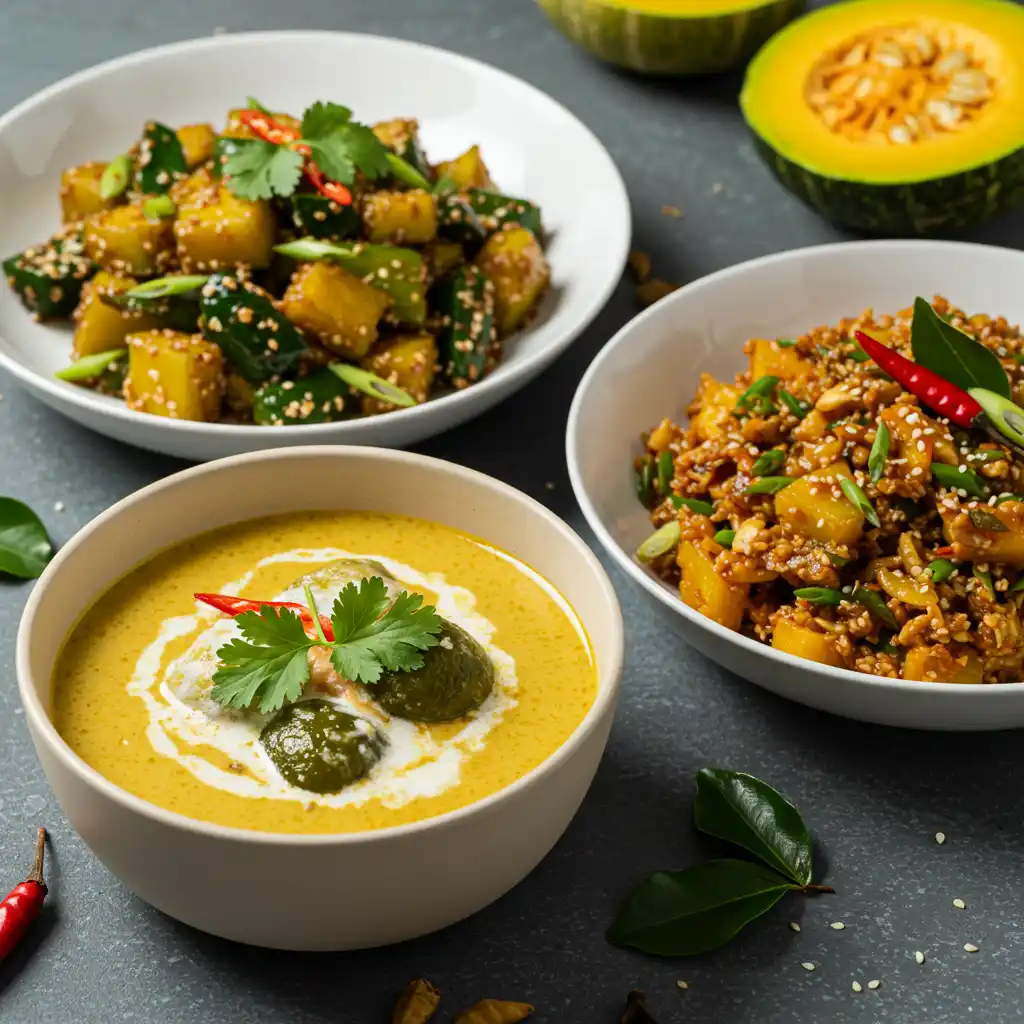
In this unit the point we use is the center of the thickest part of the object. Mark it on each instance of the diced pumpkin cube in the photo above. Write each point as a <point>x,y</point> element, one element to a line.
<point>198,189</point>
<point>408,360</point>
<point>100,327</point>
<point>337,307</point>
<point>125,241</point>
<point>769,360</point>
<point>940,664</point>
<point>176,375</point>
<point>400,217</point>
<point>717,404</point>
<point>219,231</point>
<point>514,261</point>
<point>803,642</point>
<point>467,170</point>
<point>197,142</point>
<point>80,192</point>
<point>816,506</point>
<point>706,592</point>
<point>396,133</point>
<point>973,544</point>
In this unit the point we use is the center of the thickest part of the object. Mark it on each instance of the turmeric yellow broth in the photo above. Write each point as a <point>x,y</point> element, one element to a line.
<point>131,688</point>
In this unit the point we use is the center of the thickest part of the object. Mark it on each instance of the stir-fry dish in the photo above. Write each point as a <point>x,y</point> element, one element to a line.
<point>856,497</point>
<point>285,270</point>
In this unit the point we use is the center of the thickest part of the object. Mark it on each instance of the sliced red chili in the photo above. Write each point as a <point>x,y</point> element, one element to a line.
<point>23,902</point>
<point>231,605</point>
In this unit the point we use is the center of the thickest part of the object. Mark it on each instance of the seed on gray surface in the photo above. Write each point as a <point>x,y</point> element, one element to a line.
<point>856,987</point>
<point>808,966</point>
<point>919,957</point>
<point>838,925</point>
<point>940,837</point>
<point>959,903</point>
<point>970,947</point>
<point>794,926</point>
<point>874,984</point>
<point>681,984</point>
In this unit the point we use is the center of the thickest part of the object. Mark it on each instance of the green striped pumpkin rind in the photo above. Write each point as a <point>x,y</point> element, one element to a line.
<point>660,44</point>
<point>942,205</point>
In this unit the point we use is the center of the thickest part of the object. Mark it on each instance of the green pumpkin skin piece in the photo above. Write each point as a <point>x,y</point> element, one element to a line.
<point>457,677</point>
<point>320,748</point>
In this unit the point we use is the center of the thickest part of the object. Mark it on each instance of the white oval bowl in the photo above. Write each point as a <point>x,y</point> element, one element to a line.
<point>534,147</point>
<point>281,890</point>
<point>651,368</point>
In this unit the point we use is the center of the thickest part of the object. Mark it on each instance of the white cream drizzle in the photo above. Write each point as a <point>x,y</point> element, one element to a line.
<point>182,714</point>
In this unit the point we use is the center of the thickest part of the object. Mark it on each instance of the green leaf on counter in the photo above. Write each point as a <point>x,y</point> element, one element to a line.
<point>25,547</point>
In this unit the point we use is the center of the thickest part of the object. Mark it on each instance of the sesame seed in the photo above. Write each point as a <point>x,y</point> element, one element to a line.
<point>940,837</point>
<point>793,926</point>
<point>959,903</point>
<point>856,987</point>
<point>807,965</point>
<point>970,947</point>
<point>58,506</point>
<point>682,985</point>
<point>874,984</point>
<point>919,957</point>
<point>837,925</point>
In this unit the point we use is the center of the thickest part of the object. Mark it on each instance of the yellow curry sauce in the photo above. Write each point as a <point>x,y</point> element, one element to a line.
<point>106,725</point>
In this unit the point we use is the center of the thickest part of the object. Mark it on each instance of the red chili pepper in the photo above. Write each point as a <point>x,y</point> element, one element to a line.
<point>23,902</point>
<point>946,399</point>
<point>271,130</point>
<point>231,605</point>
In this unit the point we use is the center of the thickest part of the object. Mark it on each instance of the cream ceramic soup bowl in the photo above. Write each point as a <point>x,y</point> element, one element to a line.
<point>282,891</point>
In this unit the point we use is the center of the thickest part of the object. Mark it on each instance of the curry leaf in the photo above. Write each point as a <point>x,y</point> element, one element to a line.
<point>24,546</point>
<point>746,811</point>
<point>953,355</point>
<point>682,913</point>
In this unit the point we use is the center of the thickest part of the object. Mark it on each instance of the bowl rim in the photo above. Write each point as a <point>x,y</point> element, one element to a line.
<point>883,248</point>
<point>516,373</point>
<point>608,675</point>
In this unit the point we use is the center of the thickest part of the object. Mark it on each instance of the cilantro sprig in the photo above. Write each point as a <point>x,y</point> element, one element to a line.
<point>270,666</point>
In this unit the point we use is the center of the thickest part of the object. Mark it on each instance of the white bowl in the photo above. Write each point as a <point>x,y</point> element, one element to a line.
<point>279,890</point>
<point>534,147</point>
<point>650,369</point>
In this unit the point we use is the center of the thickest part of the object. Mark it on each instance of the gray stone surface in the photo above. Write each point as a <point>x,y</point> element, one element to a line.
<point>875,797</point>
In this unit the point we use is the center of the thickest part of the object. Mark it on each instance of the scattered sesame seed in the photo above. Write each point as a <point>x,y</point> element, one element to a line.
<point>970,947</point>
<point>671,211</point>
<point>58,506</point>
<point>838,925</point>
<point>717,187</point>
<point>808,966</point>
<point>959,903</point>
<point>794,926</point>
<point>919,957</point>
<point>682,985</point>
<point>856,986</point>
<point>874,984</point>
<point>550,484</point>
<point>940,837</point>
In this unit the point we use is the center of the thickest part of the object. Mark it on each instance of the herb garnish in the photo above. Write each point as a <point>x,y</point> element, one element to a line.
<point>859,500</point>
<point>24,546</point>
<point>768,463</point>
<point>796,406</point>
<point>681,913</point>
<point>879,453</point>
<point>702,508</point>
<point>757,399</point>
<point>270,667</point>
<point>959,478</point>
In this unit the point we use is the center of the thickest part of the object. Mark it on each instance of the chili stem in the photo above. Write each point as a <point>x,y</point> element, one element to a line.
<point>37,864</point>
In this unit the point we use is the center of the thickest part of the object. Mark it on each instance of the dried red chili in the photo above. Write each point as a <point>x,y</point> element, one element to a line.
<point>271,130</point>
<point>23,902</point>
<point>231,605</point>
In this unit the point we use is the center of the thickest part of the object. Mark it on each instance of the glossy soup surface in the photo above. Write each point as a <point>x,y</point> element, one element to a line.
<point>117,684</point>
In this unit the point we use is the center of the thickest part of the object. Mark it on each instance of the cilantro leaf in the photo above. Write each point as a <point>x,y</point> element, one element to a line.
<point>341,146</point>
<point>260,170</point>
<point>320,119</point>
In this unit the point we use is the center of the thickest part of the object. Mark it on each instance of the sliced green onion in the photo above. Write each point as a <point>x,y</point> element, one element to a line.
<point>769,485</point>
<point>1006,417</point>
<point>879,453</point>
<point>888,648</point>
<point>769,463</point>
<point>445,185</point>
<point>1009,497</point>
<point>406,172</point>
<point>858,355</point>
<point>310,249</point>
<point>162,287</point>
<point>370,384</point>
<point>758,397</point>
<point>941,569</point>
<point>663,540</point>
<point>838,560</point>
<point>115,177</point>
<point>821,595</point>
<point>985,579</point>
<point>645,482</point>
<point>988,455</point>
<point>876,605</point>
<point>985,520</point>
<point>666,471</point>
<point>702,508</point>
<point>725,538</point>
<point>785,342</point>
<point>91,366</point>
<point>795,405</point>
<point>1017,587</point>
<point>959,478</point>
<point>157,207</point>
<point>859,500</point>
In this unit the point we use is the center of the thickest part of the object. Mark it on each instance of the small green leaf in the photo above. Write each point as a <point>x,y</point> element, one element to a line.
<point>645,482</point>
<point>985,579</point>
<point>682,913</point>
<point>92,366</point>
<point>769,462</point>
<point>24,546</point>
<point>158,207</point>
<point>821,595</point>
<point>1006,417</point>
<point>953,355</point>
<point>742,809</point>
<point>162,287</point>
<point>769,485</point>
<point>875,604</point>
<point>115,177</point>
<point>725,538</point>
<point>941,569</point>
<point>659,543</point>
<point>702,508</point>
<point>985,520</point>
<point>370,384</point>
<point>859,499</point>
<point>785,342</point>
<point>879,453</point>
<point>959,478</point>
<point>795,405</point>
<point>666,471</point>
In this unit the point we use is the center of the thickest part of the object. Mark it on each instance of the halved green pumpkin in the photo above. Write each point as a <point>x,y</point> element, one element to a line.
<point>672,37</point>
<point>895,116</point>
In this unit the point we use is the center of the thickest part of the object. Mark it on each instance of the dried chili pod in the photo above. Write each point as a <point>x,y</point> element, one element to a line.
<point>417,1004</point>
<point>636,1011</point>
<point>495,1011</point>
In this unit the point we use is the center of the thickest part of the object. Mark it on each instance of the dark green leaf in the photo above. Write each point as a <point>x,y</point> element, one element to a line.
<point>261,170</point>
<point>702,508</point>
<point>725,538</point>
<point>960,478</point>
<point>795,405</point>
<point>875,604</point>
<point>769,485</point>
<point>820,595</point>
<point>953,355</point>
<point>659,543</point>
<point>742,809</point>
<point>985,520</point>
<point>682,913</point>
<point>859,499</point>
<point>769,462</point>
<point>666,471</point>
<point>879,453</point>
<point>320,119</point>
<point>941,569</point>
<point>24,546</point>
<point>985,578</point>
